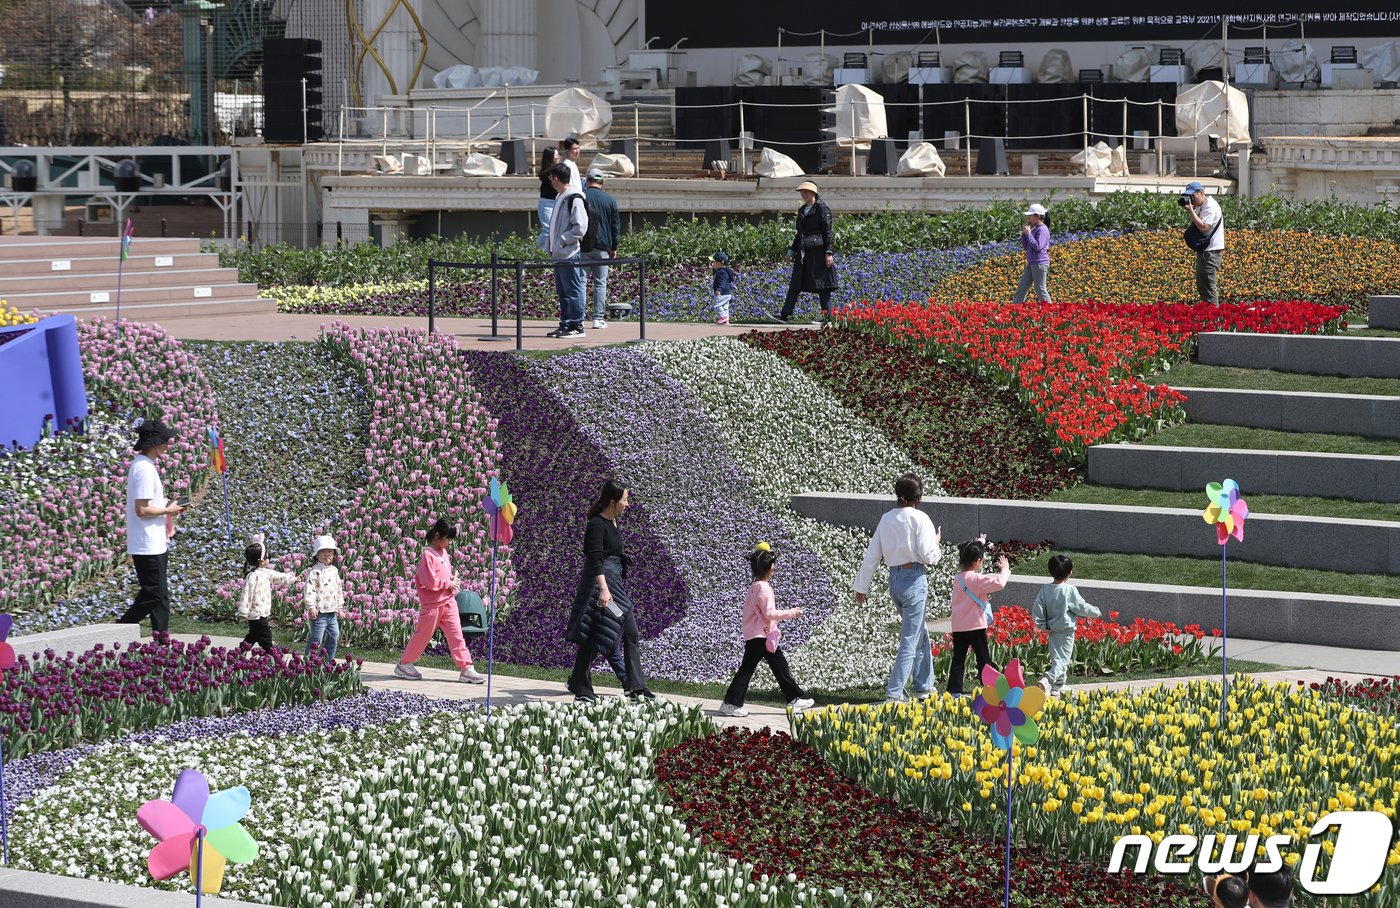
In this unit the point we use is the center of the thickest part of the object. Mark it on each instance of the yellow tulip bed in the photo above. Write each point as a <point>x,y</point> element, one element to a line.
<point>10,316</point>
<point>1155,266</point>
<point>1155,762</point>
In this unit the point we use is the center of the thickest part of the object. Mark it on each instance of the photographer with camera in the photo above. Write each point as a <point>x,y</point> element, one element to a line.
<point>1206,235</point>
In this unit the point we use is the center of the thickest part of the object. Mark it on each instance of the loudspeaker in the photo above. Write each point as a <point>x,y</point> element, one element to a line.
<point>513,153</point>
<point>884,159</point>
<point>624,146</point>
<point>991,156</point>
<point>286,63</point>
<point>716,150</point>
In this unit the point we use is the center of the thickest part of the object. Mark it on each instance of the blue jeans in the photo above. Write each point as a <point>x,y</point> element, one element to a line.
<point>909,590</point>
<point>568,283</point>
<point>600,283</point>
<point>544,209</point>
<point>324,626</point>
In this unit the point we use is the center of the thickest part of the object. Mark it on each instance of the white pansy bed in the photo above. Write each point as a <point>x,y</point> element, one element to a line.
<point>542,805</point>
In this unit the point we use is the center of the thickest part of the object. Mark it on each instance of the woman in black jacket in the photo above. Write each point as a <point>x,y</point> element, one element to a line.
<point>602,611</point>
<point>811,254</point>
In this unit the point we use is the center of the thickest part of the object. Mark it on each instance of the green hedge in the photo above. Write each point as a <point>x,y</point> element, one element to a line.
<point>682,240</point>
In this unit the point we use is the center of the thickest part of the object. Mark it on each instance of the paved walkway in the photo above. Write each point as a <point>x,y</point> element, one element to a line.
<point>509,690</point>
<point>468,331</point>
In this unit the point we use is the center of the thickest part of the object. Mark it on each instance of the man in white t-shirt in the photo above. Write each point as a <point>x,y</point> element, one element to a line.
<point>147,527</point>
<point>1207,218</point>
<point>569,150</point>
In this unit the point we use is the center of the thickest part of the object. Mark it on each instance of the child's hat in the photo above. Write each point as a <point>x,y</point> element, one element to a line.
<point>324,542</point>
<point>721,257</point>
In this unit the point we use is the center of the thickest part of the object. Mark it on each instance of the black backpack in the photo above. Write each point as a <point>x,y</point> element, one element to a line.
<point>589,243</point>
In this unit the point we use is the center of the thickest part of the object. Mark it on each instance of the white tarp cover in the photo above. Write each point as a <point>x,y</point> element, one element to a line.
<point>1056,68</point>
<point>970,67</point>
<point>483,165</point>
<point>579,112</point>
<point>860,116</point>
<point>388,163</point>
<point>894,68</point>
<point>1383,61</point>
<point>1201,110</point>
<point>921,160</point>
<point>464,76</point>
<point>1133,65</point>
<point>1102,161</point>
<point>1206,55</point>
<point>614,165</point>
<point>776,164</point>
<point>817,69</point>
<point>750,69</point>
<point>1296,61</point>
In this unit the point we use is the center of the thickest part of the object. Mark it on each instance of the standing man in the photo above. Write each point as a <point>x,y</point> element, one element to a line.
<point>569,150</point>
<point>567,225</point>
<point>908,542</point>
<point>607,234</point>
<point>147,527</point>
<point>1206,218</point>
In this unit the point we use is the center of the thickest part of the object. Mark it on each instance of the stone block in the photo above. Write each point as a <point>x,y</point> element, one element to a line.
<point>26,889</point>
<point>1348,356</point>
<point>1385,312</point>
<point>76,640</point>
<point>1296,411</point>
<point>1216,406</point>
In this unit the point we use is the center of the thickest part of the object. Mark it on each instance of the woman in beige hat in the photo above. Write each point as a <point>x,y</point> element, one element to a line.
<point>813,262</point>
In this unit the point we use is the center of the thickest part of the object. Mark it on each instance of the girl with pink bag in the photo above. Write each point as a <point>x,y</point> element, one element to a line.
<point>761,637</point>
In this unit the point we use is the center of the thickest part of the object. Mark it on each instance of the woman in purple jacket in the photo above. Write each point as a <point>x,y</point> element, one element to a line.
<point>1035,239</point>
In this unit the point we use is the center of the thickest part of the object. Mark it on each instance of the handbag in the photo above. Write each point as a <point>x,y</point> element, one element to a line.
<point>772,638</point>
<point>1197,240</point>
<point>986,606</point>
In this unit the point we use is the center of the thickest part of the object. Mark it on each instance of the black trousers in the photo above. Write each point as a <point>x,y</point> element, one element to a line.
<point>794,288</point>
<point>962,640</point>
<point>756,651</point>
<point>259,632</point>
<point>153,598</point>
<point>580,679</point>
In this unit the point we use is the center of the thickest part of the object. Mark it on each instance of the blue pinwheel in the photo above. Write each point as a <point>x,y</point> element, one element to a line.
<point>198,831</point>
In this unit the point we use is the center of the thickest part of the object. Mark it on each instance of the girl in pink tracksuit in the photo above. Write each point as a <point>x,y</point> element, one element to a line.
<point>972,613</point>
<point>761,619</point>
<point>437,607</point>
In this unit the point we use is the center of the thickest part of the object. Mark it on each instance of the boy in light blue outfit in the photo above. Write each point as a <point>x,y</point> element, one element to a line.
<point>1056,608</point>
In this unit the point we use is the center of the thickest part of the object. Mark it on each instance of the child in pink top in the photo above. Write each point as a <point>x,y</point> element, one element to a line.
<point>437,607</point>
<point>971,610</point>
<point>761,619</point>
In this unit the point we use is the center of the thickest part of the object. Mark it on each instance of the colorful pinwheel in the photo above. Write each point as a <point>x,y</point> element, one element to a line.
<point>7,652</point>
<point>193,813</point>
<point>1008,706</point>
<point>500,508</point>
<point>1227,510</point>
<point>216,451</point>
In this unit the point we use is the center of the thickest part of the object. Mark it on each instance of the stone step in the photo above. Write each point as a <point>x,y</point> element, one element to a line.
<point>28,247</point>
<point>18,286</point>
<point>1308,618</point>
<point>1368,357</point>
<point>75,300</point>
<point>1363,477</point>
<point>106,263</point>
<point>1385,312</point>
<point>1376,415</point>
<point>1348,546</point>
<point>159,312</point>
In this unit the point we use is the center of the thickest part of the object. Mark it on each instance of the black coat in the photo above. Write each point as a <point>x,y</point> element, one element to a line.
<point>588,623</point>
<point>811,245</point>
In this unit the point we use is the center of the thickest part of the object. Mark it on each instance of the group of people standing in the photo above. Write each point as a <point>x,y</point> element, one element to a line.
<point>567,208</point>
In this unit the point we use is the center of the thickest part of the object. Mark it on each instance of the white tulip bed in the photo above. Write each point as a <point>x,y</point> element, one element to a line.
<point>542,805</point>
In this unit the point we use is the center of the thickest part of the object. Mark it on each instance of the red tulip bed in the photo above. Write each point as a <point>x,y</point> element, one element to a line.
<point>1378,695</point>
<point>774,802</point>
<point>1078,366</point>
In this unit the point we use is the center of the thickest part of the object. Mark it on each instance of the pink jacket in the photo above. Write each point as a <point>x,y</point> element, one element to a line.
<point>968,615</point>
<point>759,613</point>
<point>436,584</point>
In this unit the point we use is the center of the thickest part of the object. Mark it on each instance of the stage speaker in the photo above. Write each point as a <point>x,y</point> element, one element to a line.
<point>624,146</point>
<point>513,153</point>
<point>286,63</point>
<point>716,150</point>
<point>991,157</point>
<point>884,159</point>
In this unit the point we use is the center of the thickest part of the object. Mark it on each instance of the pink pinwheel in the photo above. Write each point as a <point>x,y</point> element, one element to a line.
<point>500,508</point>
<point>1227,510</point>
<point>191,812</point>
<point>1008,706</point>
<point>7,652</point>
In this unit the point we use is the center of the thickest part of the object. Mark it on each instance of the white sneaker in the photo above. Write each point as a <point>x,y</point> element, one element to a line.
<point>599,324</point>
<point>408,672</point>
<point>735,712</point>
<point>471,676</point>
<point>896,700</point>
<point>801,703</point>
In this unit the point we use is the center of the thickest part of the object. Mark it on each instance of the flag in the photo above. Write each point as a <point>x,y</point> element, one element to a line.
<point>126,240</point>
<point>216,451</point>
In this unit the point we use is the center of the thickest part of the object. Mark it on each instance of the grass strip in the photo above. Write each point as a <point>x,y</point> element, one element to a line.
<point>1196,435</point>
<point>1196,375</point>
<point>1308,506</point>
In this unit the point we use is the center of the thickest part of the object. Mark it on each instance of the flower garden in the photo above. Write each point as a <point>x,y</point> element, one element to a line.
<point>364,797</point>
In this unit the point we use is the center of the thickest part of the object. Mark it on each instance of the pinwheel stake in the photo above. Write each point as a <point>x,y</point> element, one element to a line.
<point>1009,708</point>
<point>7,661</point>
<point>198,832</point>
<point>500,510</point>
<point>1228,511</point>
<point>220,464</point>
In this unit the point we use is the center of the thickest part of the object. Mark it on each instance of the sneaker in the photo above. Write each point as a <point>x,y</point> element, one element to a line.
<point>801,703</point>
<point>957,693</point>
<point>407,672</point>
<point>470,675</point>
<point>722,320</point>
<point>642,694</point>
<point>558,332</point>
<point>585,698</point>
<point>1060,691</point>
<point>572,332</point>
<point>780,319</point>
<point>924,694</point>
<point>889,700</point>
<point>599,324</point>
<point>734,712</point>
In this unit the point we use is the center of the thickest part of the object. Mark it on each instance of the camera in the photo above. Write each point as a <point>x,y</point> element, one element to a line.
<point>1183,201</point>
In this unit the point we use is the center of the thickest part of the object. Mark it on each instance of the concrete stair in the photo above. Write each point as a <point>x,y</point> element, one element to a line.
<point>1355,357</point>
<point>1385,312</point>
<point>163,278</point>
<point>1375,415</point>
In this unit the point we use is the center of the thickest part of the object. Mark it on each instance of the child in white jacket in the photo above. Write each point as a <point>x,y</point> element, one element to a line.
<point>325,597</point>
<point>255,603</point>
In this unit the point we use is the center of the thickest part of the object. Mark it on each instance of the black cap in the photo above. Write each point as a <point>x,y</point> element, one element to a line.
<point>152,432</point>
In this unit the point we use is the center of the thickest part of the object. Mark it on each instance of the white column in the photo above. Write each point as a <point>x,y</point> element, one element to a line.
<point>509,31</point>
<point>397,45</point>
